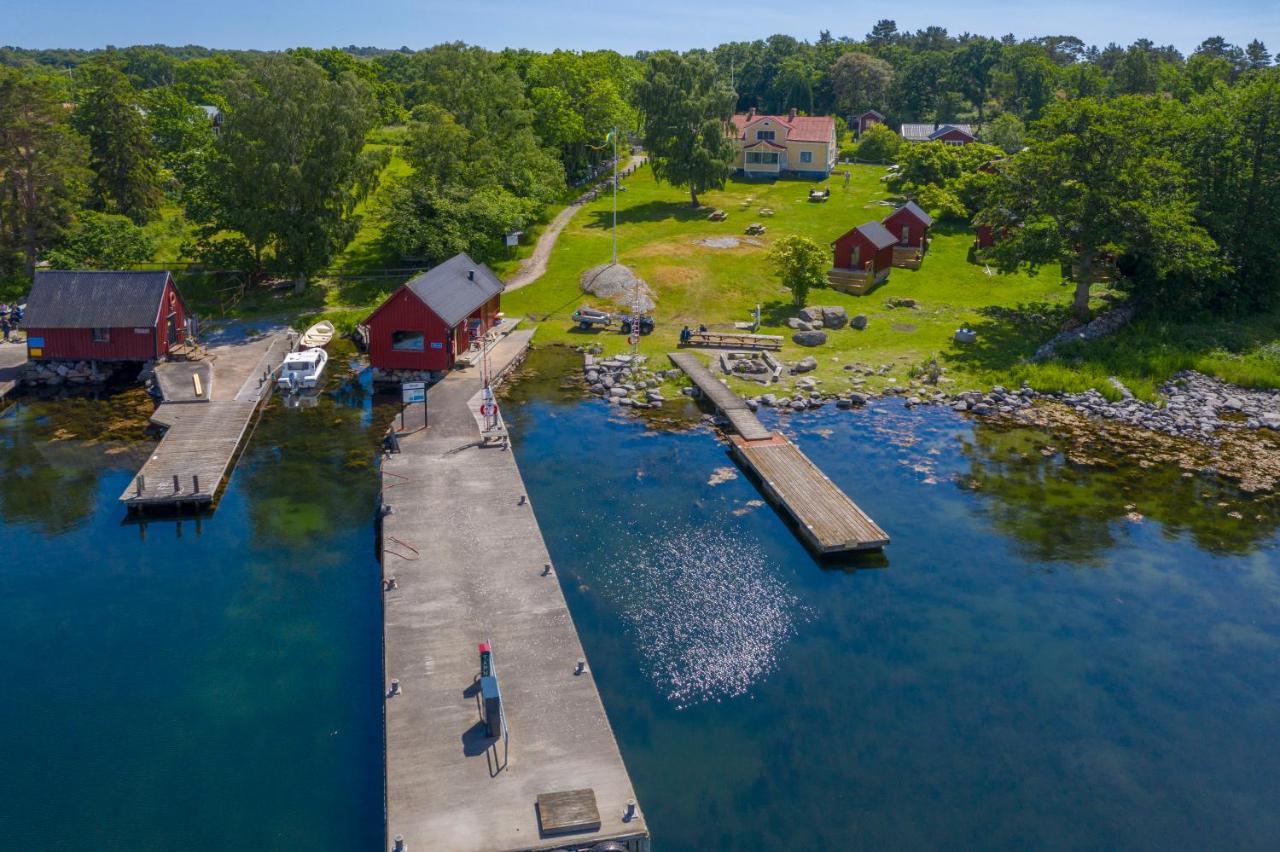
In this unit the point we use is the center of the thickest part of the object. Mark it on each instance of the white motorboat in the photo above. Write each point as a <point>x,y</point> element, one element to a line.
<point>317,336</point>
<point>302,370</point>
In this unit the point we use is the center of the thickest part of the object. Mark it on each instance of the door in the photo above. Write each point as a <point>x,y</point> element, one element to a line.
<point>171,330</point>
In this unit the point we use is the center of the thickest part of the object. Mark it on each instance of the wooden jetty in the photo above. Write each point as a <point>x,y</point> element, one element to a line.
<point>209,409</point>
<point>829,522</point>
<point>464,563</point>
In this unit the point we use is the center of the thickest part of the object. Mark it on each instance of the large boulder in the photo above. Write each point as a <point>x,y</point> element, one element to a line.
<point>809,338</point>
<point>834,317</point>
<point>799,324</point>
<point>859,322</point>
<point>813,313</point>
<point>805,365</point>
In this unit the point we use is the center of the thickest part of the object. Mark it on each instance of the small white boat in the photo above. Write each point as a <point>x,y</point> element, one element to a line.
<point>302,370</point>
<point>317,336</point>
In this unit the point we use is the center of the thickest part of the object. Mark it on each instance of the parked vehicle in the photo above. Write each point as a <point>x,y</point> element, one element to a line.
<point>646,324</point>
<point>587,317</point>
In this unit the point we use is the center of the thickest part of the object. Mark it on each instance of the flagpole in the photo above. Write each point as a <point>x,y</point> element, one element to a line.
<point>615,196</point>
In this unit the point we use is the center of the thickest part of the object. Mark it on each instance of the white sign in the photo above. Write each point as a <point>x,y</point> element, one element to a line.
<point>411,392</point>
<point>513,238</point>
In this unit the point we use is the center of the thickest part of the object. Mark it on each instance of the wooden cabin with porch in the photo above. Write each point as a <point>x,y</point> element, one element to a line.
<point>910,224</point>
<point>105,316</point>
<point>430,321</point>
<point>863,257</point>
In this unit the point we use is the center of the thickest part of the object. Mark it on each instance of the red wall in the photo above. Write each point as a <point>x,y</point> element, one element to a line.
<point>867,250</point>
<point>917,229</point>
<point>403,311</point>
<point>955,136</point>
<point>124,344</point>
<point>865,121</point>
<point>984,238</point>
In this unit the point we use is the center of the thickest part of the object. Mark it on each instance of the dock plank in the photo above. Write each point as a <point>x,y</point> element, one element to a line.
<point>734,407</point>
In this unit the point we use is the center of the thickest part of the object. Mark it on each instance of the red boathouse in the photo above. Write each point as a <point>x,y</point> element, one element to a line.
<point>104,316</point>
<point>425,324</point>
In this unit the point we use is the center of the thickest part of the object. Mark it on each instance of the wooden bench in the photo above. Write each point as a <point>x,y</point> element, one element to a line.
<point>734,340</point>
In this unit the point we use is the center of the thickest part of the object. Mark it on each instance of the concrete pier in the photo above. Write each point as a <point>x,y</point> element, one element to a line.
<point>13,359</point>
<point>464,563</point>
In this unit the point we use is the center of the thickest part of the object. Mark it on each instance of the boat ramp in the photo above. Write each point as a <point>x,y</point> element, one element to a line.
<point>829,522</point>
<point>208,407</point>
<point>496,737</point>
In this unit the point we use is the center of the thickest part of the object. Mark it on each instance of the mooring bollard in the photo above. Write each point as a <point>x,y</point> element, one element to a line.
<point>582,666</point>
<point>395,688</point>
<point>400,847</point>
<point>546,569</point>
<point>630,813</point>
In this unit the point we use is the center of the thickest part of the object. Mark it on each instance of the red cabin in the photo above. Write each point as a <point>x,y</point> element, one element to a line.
<point>867,119</point>
<point>867,247</point>
<point>426,323</point>
<point>910,225</point>
<point>104,316</point>
<point>984,237</point>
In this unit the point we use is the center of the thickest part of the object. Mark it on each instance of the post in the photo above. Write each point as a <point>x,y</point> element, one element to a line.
<point>142,484</point>
<point>195,483</point>
<point>615,196</point>
<point>176,487</point>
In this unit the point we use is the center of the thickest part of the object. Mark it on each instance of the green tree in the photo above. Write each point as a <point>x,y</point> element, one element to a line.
<point>1097,181</point>
<point>686,109</point>
<point>973,68</point>
<point>860,82</point>
<point>1006,131</point>
<point>288,168</point>
<point>878,144</point>
<point>801,264</point>
<point>44,170</point>
<point>110,115</point>
<point>102,241</point>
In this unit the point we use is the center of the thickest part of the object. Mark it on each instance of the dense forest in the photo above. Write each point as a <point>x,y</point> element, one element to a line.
<point>1132,160</point>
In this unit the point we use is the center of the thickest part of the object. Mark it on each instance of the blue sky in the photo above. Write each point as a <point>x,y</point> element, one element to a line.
<point>580,24</point>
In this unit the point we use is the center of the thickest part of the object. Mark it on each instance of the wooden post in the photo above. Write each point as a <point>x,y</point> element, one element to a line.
<point>176,489</point>
<point>141,483</point>
<point>195,483</point>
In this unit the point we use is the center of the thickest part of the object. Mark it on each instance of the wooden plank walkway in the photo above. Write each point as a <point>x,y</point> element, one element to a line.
<point>464,562</point>
<point>828,520</point>
<point>730,404</point>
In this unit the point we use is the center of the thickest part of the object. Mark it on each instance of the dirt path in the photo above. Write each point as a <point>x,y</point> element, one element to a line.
<point>533,266</point>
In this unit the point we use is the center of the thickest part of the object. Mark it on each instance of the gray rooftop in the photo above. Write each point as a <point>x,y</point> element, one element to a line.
<point>928,132</point>
<point>455,288</point>
<point>61,299</point>
<point>878,234</point>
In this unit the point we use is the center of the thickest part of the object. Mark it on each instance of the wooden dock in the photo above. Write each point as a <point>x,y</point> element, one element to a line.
<point>829,522</point>
<point>464,563</point>
<point>732,406</point>
<point>204,431</point>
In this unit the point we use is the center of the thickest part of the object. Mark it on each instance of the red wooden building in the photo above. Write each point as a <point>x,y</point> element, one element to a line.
<point>104,316</point>
<point>862,258</point>
<point>867,119</point>
<point>909,224</point>
<point>429,321</point>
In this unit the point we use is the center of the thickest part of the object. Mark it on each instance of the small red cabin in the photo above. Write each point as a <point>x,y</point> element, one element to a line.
<point>866,248</point>
<point>984,237</point>
<point>104,316</point>
<point>428,322</point>
<point>909,224</point>
<point>867,119</point>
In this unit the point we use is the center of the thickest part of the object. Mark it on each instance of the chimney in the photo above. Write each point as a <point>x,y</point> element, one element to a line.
<point>751,113</point>
<point>791,115</point>
<point>471,275</point>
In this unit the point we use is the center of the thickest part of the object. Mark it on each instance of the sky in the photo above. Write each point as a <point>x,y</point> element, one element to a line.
<point>622,26</point>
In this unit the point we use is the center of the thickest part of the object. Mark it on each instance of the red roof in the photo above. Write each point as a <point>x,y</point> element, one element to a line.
<point>802,128</point>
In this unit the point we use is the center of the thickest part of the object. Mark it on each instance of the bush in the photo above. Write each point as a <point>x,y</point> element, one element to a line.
<point>878,144</point>
<point>102,241</point>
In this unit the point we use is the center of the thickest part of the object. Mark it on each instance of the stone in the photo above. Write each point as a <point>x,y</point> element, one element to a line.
<point>812,314</point>
<point>809,338</point>
<point>768,399</point>
<point>618,392</point>
<point>966,335</point>
<point>805,365</point>
<point>858,398</point>
<point>834,317</point>
<point>859,322</point>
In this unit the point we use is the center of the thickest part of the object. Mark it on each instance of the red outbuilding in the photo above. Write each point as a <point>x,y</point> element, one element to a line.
<point>910,225</point>
<point>867,119</point>
<point>862,258</point>
<point>428,322</point>
<point>104,316</point>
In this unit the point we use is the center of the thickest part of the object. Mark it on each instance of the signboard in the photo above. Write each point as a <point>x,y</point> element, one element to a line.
<point>411,392</point>
<point>513,238</point>
<point>436,344</point>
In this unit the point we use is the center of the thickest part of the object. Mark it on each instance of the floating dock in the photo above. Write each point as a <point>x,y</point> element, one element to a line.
<point>208,410</point>
<point>464,563</point>
<point>829,522</point>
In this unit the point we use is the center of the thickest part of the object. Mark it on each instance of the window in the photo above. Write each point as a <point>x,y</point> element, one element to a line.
<point>407,341</point>
<point>766,134</point>
<point>806,156</point>
<point>763,157</point>
<point>954,141</point>
<point>102,335</point>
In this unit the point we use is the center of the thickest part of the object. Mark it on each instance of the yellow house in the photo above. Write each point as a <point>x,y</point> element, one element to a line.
<point>784,145</point>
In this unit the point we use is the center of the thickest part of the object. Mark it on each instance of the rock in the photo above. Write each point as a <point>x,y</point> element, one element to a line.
<point>856,398</point>
<point>768,399</point>
<point>960,405</point>
<point>859,322</point>
<point>965,335</point>
<point>902,303</point>
<point>618,392</point>
<point>799,404</point>
<point>834,317</point>
<point>843,402</point>
<point>1269,421</point>
<point>798,324</point>
<point>812,314</point>
<point>809,338</point>
<point>982,408</point>
<point>752,404</point>
<point>805,365</point>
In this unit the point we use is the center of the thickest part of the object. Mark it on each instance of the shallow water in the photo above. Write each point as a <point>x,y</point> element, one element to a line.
<point>195,685</point>
<point>1046,657</point>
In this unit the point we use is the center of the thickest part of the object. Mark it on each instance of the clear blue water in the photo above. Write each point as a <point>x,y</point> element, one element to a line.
<point>1027,667</point>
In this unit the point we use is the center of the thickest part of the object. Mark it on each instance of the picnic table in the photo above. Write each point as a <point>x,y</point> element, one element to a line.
<point>735,340</point>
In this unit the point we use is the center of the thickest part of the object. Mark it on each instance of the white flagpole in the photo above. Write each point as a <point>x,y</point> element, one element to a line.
<point>615,196</point>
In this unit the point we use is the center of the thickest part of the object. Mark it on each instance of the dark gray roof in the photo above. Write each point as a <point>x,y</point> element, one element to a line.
<point>917,211</point>
<point>95,299</point>
<point>927,132</point>
<point>878,234</point>
<point>455,288</point>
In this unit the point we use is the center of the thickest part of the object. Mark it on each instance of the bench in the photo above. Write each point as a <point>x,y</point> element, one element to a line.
<point>734,340</point>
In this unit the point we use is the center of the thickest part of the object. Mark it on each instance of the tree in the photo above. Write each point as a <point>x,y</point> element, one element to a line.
<point>1098,181</point>
<point>1006,131</point>
<point>109,113</point>
<point>878,144</point>
<point>44,170</point>
<point>860,82</point>
<point>1256,55</point>
<point>883,34</point>
<point>686,109</point>
<point>801,264</point>
<point>288,168</point>
<point>102,241</point>
<point>973,67</point>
